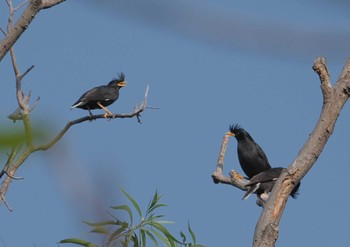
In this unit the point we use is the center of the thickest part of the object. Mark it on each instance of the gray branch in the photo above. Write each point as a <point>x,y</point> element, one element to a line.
<point>334,98</point>
<point>27,16</point>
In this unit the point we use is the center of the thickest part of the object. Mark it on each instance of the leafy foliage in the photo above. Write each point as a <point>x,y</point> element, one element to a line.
<point>151,228</point>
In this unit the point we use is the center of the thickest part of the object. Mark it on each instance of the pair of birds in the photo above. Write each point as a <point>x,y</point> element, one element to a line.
<point>255,165</point>
<point>252,158</point>
<point>101,97</point>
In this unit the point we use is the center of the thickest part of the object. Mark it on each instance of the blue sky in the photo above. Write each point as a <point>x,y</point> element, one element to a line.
<point>208,64</point>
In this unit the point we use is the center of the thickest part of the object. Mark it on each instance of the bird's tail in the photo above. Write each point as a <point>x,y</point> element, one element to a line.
<point>295,192</point>
<point>77,105</point>
<point>251,190</point>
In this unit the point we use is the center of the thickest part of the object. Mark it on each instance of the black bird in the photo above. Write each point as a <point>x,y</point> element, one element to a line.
<point>102,96</point>
<point>263,183</point>
<point>252,158</point>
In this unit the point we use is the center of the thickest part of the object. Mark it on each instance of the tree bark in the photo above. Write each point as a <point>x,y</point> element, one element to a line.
<point>334,98</point>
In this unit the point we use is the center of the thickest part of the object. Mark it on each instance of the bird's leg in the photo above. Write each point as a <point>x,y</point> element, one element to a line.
<point>237,176</point>
<point>104,108</point>
<point>90,113</point>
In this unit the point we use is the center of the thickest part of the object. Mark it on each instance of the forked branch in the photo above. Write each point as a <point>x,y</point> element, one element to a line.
<point>15,160</point>
<point>235,178</point>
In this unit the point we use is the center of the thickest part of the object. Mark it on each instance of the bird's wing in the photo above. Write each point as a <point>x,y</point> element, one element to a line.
<point>96,94</point>
<point>265,176</point>
<point>262,155</point>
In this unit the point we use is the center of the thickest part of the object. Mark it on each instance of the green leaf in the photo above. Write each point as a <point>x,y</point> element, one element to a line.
<point>100,229</point>
<point>150,235</point>
<point>78,241</point>
<point>135,239</point>
<point>154,203</point>
<point>155,207</point>
<point>152,217</point>
<point>102,223</point>
<point>127,209</point>
<point>132,200</point>
<point>143,238</point>
<point>165,231</point>
<point>116,234</point>
<point>161,237</point>
<point>193,236</point>
<point>129,235</point>
<point>165,222</point>
<point>183,237</point>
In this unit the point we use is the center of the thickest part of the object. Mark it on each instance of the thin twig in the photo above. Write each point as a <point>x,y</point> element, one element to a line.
<point>3,31</point>
<point>10,159</point>
<point>21,5</point>
<point>26,72</point>
<point>2,197</point>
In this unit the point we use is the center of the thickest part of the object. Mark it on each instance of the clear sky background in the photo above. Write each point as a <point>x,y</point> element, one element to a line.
<point>209,64</point>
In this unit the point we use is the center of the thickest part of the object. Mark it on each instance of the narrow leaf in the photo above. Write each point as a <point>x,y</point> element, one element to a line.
<point>183,237</point>
<point>165,222</point>
<point>143,238</point>
<point>78,241</point>
<point>165,231</point>
<point>132,200</point>
<point>150,235</point>
<point>127,209</point>
<point>100,229</point>
<point>135,240</point>
<point>116,234</point>
<point>101,223</point>
<point>161,237</point>
<point>192,234</point>
<point>155,207</point>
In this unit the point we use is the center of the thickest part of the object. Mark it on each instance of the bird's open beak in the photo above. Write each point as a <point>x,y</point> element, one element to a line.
<point>122,83</point>
<point>230,133</point>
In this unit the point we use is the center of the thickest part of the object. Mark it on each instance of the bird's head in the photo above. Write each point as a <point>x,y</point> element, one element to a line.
<point>119,82</point>
<point>237,131</point>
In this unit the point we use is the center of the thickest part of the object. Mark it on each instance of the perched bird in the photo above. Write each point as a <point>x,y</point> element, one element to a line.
<point>102,96</point>
<point>250,155</point>
<point>263,183</point>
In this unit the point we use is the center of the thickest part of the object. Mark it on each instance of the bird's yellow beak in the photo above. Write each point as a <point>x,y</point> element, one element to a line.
<point>230,133</point>
<point>122,83</point>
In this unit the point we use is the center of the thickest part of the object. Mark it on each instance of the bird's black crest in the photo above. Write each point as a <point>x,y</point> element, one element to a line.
<point>121,77</point>
<point>234,128</point>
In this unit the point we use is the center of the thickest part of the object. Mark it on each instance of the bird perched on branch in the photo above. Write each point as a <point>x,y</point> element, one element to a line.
<point>102,96</point>
<point>252,158</point>
<point>263,183</point>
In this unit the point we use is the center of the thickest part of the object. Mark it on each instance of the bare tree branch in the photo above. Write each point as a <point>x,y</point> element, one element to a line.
<point>27,16</point>
<point>137,113</point>
<point>13,164</point>
<point>266,231</point>
<point>235,178</point>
